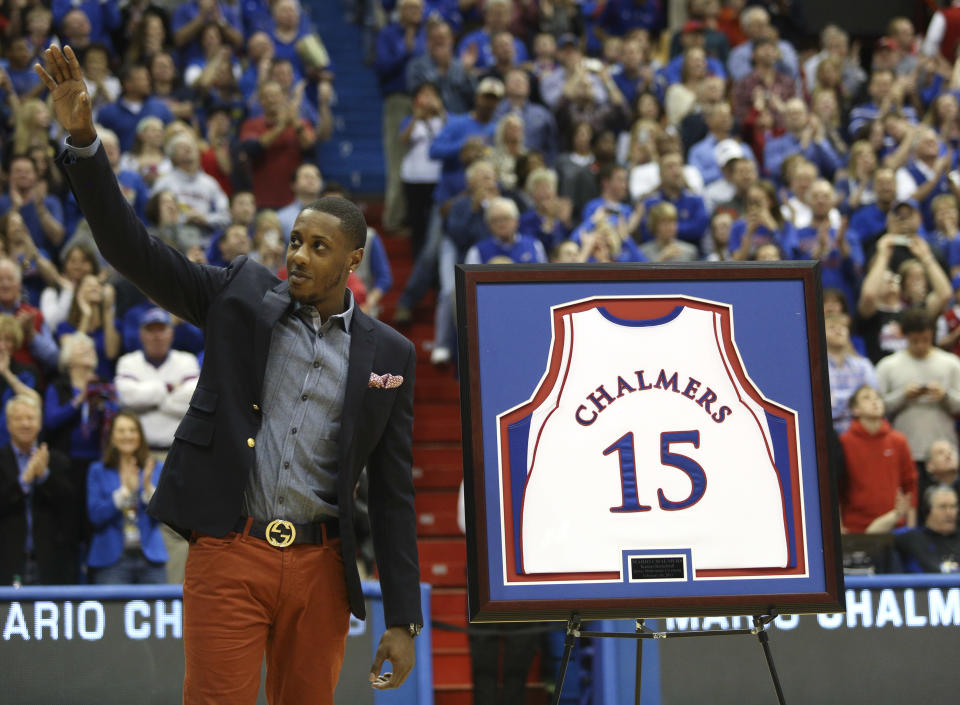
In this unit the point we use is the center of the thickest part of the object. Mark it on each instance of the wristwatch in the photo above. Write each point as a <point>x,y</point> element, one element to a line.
<point>414,629</point>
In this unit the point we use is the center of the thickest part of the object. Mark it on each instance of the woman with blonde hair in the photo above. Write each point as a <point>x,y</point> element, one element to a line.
<point>508,147</point>
<point>147,157</point>
<point>31,127</point>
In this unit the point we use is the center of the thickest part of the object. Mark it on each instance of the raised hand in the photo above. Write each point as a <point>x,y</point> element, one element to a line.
<point>71,103</point>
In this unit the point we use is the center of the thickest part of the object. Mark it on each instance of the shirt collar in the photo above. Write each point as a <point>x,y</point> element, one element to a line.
<point>344,319</point>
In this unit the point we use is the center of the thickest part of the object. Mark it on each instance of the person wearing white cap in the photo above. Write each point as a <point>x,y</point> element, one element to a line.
<point>727,154</point>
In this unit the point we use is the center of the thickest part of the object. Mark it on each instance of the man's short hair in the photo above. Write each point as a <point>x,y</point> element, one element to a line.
<point>352,223</point>
<point>916,320</point>
<point>928,494</point>
<point>502,204</point>
<point>32,402</point>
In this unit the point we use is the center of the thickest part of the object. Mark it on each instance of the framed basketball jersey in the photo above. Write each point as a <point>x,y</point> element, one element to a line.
<point>646,440</point>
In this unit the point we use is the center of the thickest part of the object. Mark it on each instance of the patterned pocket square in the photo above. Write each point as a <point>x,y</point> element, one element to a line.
<point>384,381</point>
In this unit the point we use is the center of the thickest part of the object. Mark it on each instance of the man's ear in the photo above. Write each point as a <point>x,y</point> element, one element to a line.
<point>353,261</point>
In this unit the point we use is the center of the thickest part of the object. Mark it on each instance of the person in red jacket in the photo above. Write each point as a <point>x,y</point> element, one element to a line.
<point>881,484</point>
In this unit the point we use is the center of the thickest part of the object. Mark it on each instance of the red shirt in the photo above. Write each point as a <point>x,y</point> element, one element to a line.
<point>877,465</point>
<point>273,170</point>
<point>208,162</point>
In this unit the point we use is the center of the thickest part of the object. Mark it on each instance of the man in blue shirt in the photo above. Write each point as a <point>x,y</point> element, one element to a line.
<point>703,155</point>
<point>475,50</point>
<point>805,135</point>
<point>692,217</point>
<point>135,103</point>
<point>539,125</point>
<point>440,67</point>
<point>506,244</point>
<point>884,97</point>
<point>397,43</point>
<point>869,222</point>
<point>104,17</point>
<point>42,214</point>
<point>755,22</point>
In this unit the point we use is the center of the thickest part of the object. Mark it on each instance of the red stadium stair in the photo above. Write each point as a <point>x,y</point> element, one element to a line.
<point>437,473</point>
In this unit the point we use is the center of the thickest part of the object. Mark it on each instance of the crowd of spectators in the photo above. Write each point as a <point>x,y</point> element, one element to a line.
<point>519,132</point>
<point>514,131</point>
<point>211,113</point>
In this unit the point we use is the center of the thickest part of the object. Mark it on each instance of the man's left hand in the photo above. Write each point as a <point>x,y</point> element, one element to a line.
<point>396,646</point>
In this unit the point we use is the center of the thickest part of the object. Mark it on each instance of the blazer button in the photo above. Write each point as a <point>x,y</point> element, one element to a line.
<point>256,407</point>
<point>251,442</point>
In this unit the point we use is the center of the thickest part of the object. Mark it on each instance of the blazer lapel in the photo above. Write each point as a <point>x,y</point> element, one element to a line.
<point>363,345</point>
<point>274,303</point>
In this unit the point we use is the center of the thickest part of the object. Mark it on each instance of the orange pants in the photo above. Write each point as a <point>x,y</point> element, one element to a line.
<point>243,597</point>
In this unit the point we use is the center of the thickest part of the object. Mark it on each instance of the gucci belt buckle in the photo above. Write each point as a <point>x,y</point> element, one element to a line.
<point>280,533</point>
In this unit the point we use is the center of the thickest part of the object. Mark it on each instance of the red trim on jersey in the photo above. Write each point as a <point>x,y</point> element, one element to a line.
<point>649,309</point>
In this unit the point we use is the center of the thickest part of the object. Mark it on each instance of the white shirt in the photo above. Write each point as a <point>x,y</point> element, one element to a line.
<point>144,388</point>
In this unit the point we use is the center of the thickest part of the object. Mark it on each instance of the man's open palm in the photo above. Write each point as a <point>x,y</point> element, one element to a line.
<point>71,103</point>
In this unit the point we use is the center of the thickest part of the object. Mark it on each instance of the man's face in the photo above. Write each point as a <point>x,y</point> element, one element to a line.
<point>920,343</point>
<point>502,224</point>
<point>928,146</point>
<point>868,404</point>
<point>319,258</point>
<point>942,518</point>
<point>156,339</point>
<point>821,199</point>
<point>880,84</point>
<point>76,25</point>
<point>632,55</point>
<point>440,42</point>
<point>23,174</point>
<point>271,98</point>
<point>671,171</point>
<point>9,285</point>
<point>942,463</point>
<point>501,46</point>
<point>721,119</point>
<point>411,12</point>
<point>838,334</point>
<point>885,184</point>
<point>617,185</point>
<point>282,73</point>
<point>243,208</point>
<point>765,54</point>
<point>235,242</point>
<point>308,184</point>
<point>185,155</point>
<point>23,423</point>
<point>517,86</point>
<point>497,16</point>
<point>484,180</point>
<point>744,175</point>
<point>795,115</point>
<point>903,34</point>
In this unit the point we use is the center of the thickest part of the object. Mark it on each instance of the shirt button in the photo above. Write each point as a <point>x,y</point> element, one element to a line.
<point>280,500</point>
<point>251,443</point>
<point>303,397</point>
<point>294,431</point>
<point>286,464</point>
<point>316,363</point>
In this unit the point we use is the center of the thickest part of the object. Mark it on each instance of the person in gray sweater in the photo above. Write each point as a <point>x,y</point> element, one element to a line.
<point>921,386</point>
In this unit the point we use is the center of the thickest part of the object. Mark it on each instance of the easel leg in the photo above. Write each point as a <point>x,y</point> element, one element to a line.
<point>764,638</point>
<point>573,630</point>
<point>636,691</point>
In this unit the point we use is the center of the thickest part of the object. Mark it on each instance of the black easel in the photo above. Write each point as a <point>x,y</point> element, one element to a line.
<point>574,631</point>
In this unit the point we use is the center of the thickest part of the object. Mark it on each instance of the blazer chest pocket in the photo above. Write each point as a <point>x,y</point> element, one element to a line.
<point>204,399</point>
<point>195,429</point>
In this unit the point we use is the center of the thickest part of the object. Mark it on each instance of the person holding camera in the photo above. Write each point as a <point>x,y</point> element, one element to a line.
<point>78,406</point>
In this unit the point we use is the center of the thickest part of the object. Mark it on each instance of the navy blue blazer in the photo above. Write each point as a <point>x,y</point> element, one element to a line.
<point>212,455</point>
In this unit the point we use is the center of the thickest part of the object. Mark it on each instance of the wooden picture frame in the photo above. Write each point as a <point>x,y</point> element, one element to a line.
<point>553,529</point>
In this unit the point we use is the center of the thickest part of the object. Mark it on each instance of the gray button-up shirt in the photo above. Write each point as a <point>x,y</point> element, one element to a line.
<point>302,404</point>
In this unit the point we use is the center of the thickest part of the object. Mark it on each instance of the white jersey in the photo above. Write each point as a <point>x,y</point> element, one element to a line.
<point>646,433</point>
